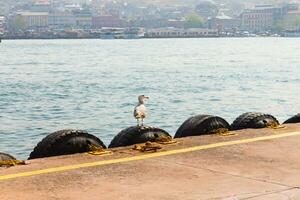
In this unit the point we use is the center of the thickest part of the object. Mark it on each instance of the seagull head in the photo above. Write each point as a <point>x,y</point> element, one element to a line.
<point>142,98</point>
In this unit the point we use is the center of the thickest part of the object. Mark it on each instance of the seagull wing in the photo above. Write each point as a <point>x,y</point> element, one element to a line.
<point>139,112</point>
<point>135,113</point>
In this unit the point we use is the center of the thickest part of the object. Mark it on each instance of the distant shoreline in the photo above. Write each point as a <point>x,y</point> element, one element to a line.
<point>77,38</point>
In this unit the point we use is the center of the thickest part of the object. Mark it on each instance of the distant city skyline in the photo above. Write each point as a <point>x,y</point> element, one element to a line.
<point>168,18</point>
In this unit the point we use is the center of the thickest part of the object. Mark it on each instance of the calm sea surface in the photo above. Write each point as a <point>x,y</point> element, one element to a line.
<point>48,85</point>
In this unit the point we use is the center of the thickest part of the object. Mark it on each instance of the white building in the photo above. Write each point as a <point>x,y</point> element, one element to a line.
<point>223,22</point>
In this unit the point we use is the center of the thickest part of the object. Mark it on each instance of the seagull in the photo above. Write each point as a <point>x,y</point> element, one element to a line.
<point>140,110</point>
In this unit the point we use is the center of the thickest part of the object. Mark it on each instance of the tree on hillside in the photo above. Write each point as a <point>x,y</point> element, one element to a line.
<point>292,22</point>
<point>193,21</point>
<point>296,21</point>
<point>279,26</point>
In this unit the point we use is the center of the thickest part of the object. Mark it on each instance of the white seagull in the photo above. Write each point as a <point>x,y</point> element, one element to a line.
<point>140,110</point>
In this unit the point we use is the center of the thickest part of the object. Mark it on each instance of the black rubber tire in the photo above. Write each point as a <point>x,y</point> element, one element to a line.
<point>253,120</point>
<point>293,120</point>
<point>65,142</point>
<point>136,134</point>
<point>5,156</point>
<point>201,125</point>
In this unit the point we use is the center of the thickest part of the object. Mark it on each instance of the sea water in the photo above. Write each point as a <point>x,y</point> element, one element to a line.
<point>49,85</point>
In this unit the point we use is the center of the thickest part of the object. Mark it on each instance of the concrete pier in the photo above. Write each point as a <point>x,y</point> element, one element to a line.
<point>251,164</point>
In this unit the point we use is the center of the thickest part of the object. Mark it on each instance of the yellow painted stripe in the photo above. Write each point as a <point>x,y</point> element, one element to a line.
<point>146,156</point>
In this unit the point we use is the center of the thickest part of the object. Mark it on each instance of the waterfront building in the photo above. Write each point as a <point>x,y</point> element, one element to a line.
<point>280,10</point>
<point>223,22</point>
<point>149,23</point>
<point>30,20</point>
<point>176,23</point>
<point>2,25</point>
<point>107,21</point>
<point>83,18</point>
<point>265,17</point>
<point>63,19</point>
<point>291,20</point>
<point>257,19</point>
<point>181,33</point>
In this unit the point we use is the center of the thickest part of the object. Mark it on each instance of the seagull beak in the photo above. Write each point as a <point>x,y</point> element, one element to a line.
<point>146,97</point>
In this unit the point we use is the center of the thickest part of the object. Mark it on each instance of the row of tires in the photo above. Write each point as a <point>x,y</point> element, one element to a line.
<point>77,141</point>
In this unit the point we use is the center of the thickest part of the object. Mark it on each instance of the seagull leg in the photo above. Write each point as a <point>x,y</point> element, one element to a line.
<point>142,121</point>
<point>138,122</point>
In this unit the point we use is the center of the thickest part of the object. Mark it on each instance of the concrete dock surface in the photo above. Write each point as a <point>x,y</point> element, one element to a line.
<point>251,164</point>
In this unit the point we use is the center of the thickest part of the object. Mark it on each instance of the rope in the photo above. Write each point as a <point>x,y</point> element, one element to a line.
<point>222,132</point>
<point>165,140</point>
<point>97,151</point>
<point>147,147</point>
<point>275,126</point>
<point>11,163</point>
